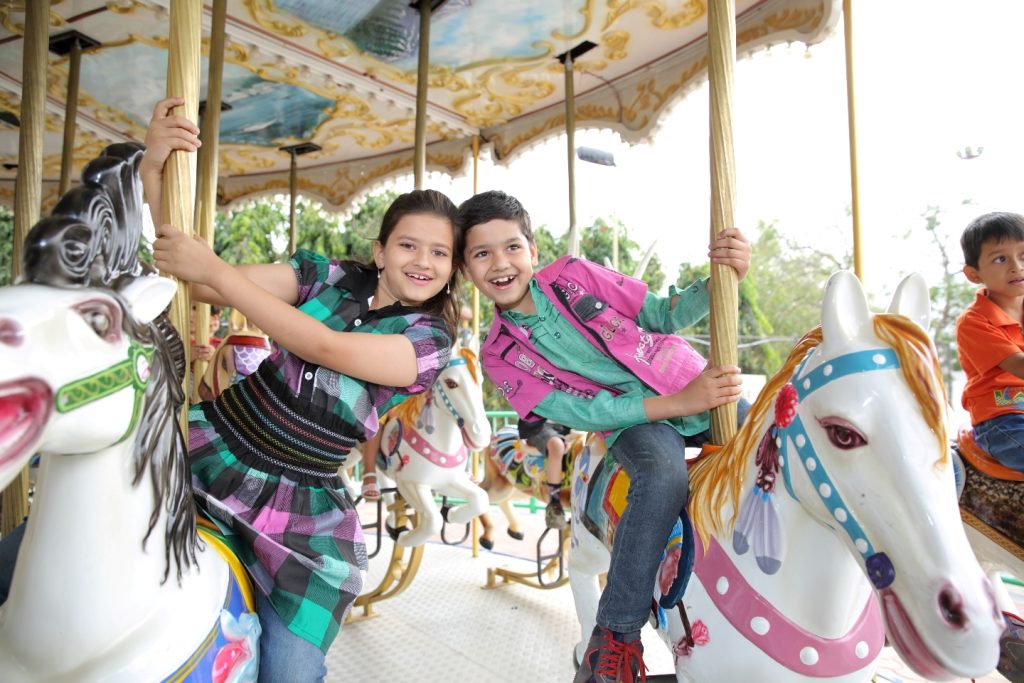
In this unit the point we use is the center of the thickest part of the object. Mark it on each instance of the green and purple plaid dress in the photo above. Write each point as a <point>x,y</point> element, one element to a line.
<point>265,453</point>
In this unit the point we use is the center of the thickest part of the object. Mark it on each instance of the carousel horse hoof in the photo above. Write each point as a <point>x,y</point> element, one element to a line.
<point>486,543</point>
<point>518,535</point>
<point>395,532</point>
<point>1011,650</point>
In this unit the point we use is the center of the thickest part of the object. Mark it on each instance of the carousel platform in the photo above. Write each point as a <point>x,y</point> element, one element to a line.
<point>447,627</point>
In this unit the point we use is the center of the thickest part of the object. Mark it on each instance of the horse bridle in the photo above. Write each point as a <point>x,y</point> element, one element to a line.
<point>454,362</point>
<point>879,568</point>
<point>133,372</point>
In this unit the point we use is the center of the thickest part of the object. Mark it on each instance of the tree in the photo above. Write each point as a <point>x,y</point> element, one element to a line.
<point>363,226</point>
<point>249,233</point>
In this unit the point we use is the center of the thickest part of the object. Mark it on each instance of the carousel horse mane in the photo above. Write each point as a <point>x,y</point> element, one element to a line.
<point>408,410</point>
<point>716,482</point>
<point>91,240</point>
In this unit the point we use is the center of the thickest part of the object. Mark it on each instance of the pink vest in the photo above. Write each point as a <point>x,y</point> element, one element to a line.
<point>602,305</point>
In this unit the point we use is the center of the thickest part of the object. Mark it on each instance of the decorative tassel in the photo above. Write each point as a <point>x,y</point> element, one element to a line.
<point>758,524</point>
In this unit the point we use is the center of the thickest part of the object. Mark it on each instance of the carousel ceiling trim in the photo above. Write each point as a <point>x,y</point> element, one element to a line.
<point>343,76</point>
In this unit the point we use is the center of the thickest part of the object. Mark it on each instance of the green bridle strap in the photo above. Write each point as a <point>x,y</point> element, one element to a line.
<point>131,372</point>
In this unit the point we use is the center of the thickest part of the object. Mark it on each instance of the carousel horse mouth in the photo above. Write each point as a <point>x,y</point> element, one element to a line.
<point>908,642</point>
<point>24,409</point>
<point>468,439</point>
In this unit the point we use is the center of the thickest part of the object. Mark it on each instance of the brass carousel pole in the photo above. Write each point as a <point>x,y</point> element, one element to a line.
<point>724,285</point>
<point>28,191</point>
<point>570,138</point>
<point>419,166</point>
<point>858,262</point>
<point>207,167</point>
<point>67,158</point>
<point>183,57</point>
<point>475,529</point>
<point>293,190</point>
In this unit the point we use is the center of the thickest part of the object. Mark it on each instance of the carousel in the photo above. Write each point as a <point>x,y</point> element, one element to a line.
<point>802,564</point>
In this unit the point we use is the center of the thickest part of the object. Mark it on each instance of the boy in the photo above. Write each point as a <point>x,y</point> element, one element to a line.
<point>570,345</point>
<point>549,439</point>
<point>989,338</point>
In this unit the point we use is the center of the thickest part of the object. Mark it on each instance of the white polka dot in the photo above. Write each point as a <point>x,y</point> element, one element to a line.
<point>807,383</point>
<point>782,461</point>
<point>800,440</point>
<point>426,450</point>
<point>413,440</point>
<point>827,370</point>
<point>722,585</point>
<point>442,459</point>
<point>811,464</point>
<point>760,625</point>
<point>825,490</point>
<point>778,442</point>
<point>878,359</point>
<point>840,514</point>
<point>862,545</point>
<point>809,656</point>
<point>861,650</point>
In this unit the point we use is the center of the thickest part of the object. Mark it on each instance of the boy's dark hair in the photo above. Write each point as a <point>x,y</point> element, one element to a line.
<point>489,206</point>
<point>991,227</point>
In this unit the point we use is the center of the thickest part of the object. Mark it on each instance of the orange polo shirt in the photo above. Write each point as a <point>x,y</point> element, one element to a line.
<point>985,337</point>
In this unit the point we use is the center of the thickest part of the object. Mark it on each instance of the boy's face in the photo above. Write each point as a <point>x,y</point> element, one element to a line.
<point>499,260</point>
<point>1000,268</point>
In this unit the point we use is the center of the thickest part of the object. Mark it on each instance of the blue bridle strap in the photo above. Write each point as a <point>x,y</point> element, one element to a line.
<point>444,394</point>
<point>795,433</point>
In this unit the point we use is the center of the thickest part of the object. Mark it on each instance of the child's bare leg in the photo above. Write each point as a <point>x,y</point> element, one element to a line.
<point>371,491</point>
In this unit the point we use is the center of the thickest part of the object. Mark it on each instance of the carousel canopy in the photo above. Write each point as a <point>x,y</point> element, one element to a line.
<point>342,75</point>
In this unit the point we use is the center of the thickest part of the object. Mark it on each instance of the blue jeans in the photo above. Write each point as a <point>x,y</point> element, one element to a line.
<point>284,656</point>
<point>652,456</point>
<point>1002,437</point>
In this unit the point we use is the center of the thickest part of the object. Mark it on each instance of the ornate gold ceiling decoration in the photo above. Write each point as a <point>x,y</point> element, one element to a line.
<point>691,12</point>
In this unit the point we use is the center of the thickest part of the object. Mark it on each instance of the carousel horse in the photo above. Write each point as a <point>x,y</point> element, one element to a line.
<point>513,466</point>
<point>803,581</point>
<point>426,443</point>
<point>237,356</point>
<point>112,581</point>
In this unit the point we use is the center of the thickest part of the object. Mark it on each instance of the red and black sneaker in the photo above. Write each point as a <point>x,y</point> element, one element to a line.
<point>612,658</point>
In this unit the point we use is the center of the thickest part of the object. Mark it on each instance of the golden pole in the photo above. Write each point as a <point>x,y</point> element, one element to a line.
<point>570,139</point>
<point>206,196</point>
<point>293,189</point>
<point>422,75</point>
<point>178,208</point>
<point>724,285</point>
<point>475,528</point>
<point>858,263</point>
<point>28,191</point>
<point>67,159</point>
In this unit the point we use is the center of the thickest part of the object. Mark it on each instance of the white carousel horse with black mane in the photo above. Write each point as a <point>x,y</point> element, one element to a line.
<point>835,498</point>
<point>112,581</point>
<point>426,442</point>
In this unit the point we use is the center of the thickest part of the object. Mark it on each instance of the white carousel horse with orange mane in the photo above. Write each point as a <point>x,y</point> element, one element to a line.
<point>426,442</point>
<point>827,523</point>
<point>112,581</point>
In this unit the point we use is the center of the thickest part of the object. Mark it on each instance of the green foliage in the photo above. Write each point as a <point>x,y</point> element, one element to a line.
<point>779,300</point>
<point>6,245</point>
<point>249,233</point>
<point>363,226</point>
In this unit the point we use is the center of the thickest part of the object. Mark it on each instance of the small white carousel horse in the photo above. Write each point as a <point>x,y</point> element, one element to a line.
<point>788,579</point>
<point>112,582</point>
<point>426,443</point>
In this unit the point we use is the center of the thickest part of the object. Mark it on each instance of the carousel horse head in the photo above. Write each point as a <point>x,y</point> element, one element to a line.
<point>88,360</point>
<point>854,429</point>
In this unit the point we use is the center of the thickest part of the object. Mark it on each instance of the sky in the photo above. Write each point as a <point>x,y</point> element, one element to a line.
<point>931,77</point>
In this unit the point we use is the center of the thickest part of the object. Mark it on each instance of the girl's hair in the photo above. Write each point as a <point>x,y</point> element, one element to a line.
<point>444,304</point>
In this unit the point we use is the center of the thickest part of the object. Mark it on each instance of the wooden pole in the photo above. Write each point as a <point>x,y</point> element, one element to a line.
<point>207,167</point>
<point>858,262</point>
<point>293,189</point>
<point>475,528</point>
<point>28,192</point>
<point>178,205</point>
<point>422,83</point>
<point>67,159</point>
<point>570,139</point>
<point>724,285</point>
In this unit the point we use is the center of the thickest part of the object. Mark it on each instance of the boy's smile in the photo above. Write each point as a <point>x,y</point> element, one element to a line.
<point>1001,270</point>
<point>500,261</point>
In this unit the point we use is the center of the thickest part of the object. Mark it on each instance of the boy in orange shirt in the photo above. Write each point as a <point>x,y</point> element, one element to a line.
<point>990,338</point>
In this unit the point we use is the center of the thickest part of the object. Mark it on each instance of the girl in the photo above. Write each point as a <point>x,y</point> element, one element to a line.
<point>351,341</point>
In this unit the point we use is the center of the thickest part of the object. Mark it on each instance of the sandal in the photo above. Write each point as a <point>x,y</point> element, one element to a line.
<point>370,491</point>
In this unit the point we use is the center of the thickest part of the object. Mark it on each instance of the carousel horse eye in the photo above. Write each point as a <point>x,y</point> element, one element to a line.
<point>842,434</point>
<point>101,317</point>
<point>451,384</point>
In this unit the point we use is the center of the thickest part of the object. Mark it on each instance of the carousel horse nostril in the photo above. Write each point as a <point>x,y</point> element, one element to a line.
<point>951,607</point>
<point>11,333</point>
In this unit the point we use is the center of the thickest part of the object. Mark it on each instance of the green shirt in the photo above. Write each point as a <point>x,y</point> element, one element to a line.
<point>563,345</point>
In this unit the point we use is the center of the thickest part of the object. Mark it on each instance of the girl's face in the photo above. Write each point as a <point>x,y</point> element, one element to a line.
<point>416,261</point>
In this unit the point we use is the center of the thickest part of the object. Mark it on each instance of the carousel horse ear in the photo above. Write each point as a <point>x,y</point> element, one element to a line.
<point>845,315</point>
<point>912,301</point>
<point>148,296</point>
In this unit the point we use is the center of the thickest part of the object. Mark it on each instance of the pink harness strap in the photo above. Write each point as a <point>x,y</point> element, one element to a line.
<point>431,454</point>
<point>788,644</point>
